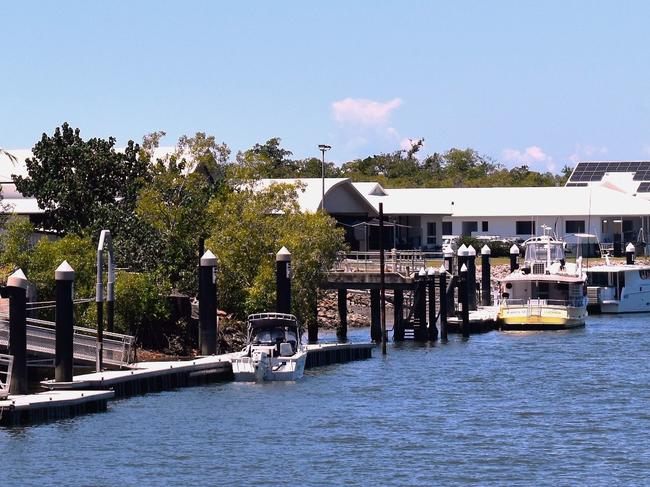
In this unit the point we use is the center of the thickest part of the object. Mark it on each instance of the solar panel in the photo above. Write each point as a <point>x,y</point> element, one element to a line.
<point>644,187</point>
<point>575,185</point>
<point>594,171</point>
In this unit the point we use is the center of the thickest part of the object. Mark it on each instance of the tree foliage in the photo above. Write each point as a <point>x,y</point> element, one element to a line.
<point>79,182</point>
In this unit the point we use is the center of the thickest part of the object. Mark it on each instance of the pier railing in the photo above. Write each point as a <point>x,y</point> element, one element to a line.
<point>6,364</point>
<point>399,261</point>
<point>541,303</point>
<point>41,339</point>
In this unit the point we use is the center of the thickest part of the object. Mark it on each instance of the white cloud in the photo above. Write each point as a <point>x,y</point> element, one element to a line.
<point>532,156</point>
<point>582,152</point>
<point>360,111</point>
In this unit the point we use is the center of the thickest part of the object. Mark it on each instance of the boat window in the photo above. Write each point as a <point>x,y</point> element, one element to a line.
<point>601,279</point>
<point>644,274</point>
<point>536,251</point>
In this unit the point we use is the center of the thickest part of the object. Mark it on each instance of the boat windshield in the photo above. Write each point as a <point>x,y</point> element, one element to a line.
<point>537,251</point>
<point>274,335</point>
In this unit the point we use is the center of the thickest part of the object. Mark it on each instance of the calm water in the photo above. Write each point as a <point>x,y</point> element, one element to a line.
<point>559,408</point>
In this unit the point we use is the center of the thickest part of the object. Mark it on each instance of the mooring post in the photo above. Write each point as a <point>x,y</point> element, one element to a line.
<point>486,287</point>
<point>283,281</point>
<point>382,280</point>
<point>375,316</point>
<point>431,284</point>
<point>443,303</point>
<point>398,315</point>
<point>64,319</point>
<point>471,276</point>
<point>17,285</point>
<point>421,304</point>
<point>629,253</point>
<point>448,256</point>
<point>208,304</point>
<point>464,299</point>
<point>514,255</point>
<point>342,329</point>
<point>312,323</point>
<point>110,296</point>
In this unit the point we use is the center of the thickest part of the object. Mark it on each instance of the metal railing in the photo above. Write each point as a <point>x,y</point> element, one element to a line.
<point>6,364</point>
<point>542,303</point>
<point>400,261</point>
<point>41,339</point>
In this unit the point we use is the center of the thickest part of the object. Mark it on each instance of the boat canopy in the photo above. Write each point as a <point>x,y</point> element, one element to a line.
<point>271,320</point>
<point>538,250</point>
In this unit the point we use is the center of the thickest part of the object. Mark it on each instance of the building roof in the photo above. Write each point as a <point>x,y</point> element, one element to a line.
<point>491,202</point>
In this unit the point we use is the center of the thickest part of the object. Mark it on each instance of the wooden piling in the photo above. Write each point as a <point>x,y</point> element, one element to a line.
<point>375,316</point>
<point>431,284</point>
<point>486,298</point>
<point>17,290</point>
<point>64,319</point>
<point>398,315</point>
<point>443,303</point>
<point>342,328</point>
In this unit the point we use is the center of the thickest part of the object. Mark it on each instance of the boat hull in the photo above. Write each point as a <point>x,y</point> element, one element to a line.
<point>259,369</point>
<point>541,318</point>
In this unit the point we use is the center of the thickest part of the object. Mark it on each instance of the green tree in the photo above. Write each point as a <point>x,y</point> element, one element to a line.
<point>15,244</point>
<point>80,182</point>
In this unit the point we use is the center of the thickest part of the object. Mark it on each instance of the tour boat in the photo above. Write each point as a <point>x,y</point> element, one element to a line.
<point>274,351</point>
<point>619,288</point>
<point>547,293</point>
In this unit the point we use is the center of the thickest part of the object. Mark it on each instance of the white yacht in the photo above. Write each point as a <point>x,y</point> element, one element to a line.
<point>619,288</point>
<point>547,292</point>
<point>274,351</point>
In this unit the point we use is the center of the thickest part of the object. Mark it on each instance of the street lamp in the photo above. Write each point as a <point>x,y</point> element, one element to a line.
<point>323,148</point>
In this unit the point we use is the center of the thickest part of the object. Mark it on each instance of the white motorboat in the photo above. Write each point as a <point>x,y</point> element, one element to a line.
<point>547,292</point>
<point>274,351</point>
<point>619,288</point>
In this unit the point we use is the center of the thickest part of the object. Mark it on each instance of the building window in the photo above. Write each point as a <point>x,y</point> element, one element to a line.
<point>431,233</point>
<point>484,226</point>
<point>525,228</point>
<point>469,227</point>
<point>575,226</point>
<point>447,228</point>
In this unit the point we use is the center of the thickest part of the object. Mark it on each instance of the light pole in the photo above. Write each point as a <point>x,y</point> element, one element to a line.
<point>323,148</point>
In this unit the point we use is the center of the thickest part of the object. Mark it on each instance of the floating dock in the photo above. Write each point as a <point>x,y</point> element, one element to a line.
<point>482,320</point>
<point>51,405</point>
<point>89,393</point>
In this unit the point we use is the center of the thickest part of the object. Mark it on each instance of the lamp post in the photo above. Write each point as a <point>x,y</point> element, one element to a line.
<point>323,148</point>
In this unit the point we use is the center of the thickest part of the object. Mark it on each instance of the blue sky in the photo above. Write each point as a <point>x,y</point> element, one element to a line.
<point>542,83</point>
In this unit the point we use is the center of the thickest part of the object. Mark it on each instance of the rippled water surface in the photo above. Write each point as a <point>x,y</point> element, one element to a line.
<point>514,408</point>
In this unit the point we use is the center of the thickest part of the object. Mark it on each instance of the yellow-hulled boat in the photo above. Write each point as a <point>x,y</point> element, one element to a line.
<point>546,293</point>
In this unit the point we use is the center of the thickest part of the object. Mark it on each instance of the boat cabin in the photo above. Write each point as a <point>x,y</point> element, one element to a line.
<point>546,289</point>
<point>274,330</point>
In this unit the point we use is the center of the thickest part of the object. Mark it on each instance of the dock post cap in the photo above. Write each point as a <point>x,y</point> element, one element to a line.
<point>422,272</point>
<point>471,251</point>
<point>514,249</point>
<point>283,255</point>
<point>485,250</point>
<point>630,247</point>
<point>18,279</point>
<point>208,259</point>
<point>64,272</point>
<point>463,268</point>
<point>442,269</point>
<point>431,271</point>
<point>447,251</point>
<point>462,250</point>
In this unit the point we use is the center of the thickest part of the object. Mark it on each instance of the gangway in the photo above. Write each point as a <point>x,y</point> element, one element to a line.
<point>41,341</point>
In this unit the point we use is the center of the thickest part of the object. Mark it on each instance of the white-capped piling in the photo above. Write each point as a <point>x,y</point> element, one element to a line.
<point>443,302</point>
<point>64,319</point>
<point>431,284</point>
<point>398,315</point>
<point>448,256</point>
<point>514,255</point>
<point>485,276</point>
<point>16,291</point>
<point>629,253</point>
<point>208,304</point>
<point>471,276</point>
<point>463,297</point>
<point>283,281</point>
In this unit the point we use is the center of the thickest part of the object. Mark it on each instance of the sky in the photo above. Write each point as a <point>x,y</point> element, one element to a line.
<point>524,82</point>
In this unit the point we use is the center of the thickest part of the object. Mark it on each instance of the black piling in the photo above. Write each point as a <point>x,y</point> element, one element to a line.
<point>471,277</point>
<point>382,280</point>
<point>64,318</point>
<point>448,256</point>
<point>312,324</point>
<point>514,255</point>
<point>420,303</point>
<point>17,285</point>
<point>208,304</point>
<point>462,258</point>
<point>431,284</point>
<point>486,298</point>
<point>629,253</point>
<point>342,329</point>
<point>443,303</point>
<point>463,297</point>
<point>283,281</point>
<point>398,315</point>
<point>375,316</point>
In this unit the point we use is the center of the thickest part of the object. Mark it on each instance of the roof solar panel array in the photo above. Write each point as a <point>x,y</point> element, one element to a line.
<point>594,171</point>
<point>644,187</point>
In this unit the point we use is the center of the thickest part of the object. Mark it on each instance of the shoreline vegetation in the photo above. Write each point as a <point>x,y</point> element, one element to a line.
<point>158,205</point>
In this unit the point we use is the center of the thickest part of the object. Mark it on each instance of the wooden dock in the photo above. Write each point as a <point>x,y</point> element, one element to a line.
<point>482,320</point>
